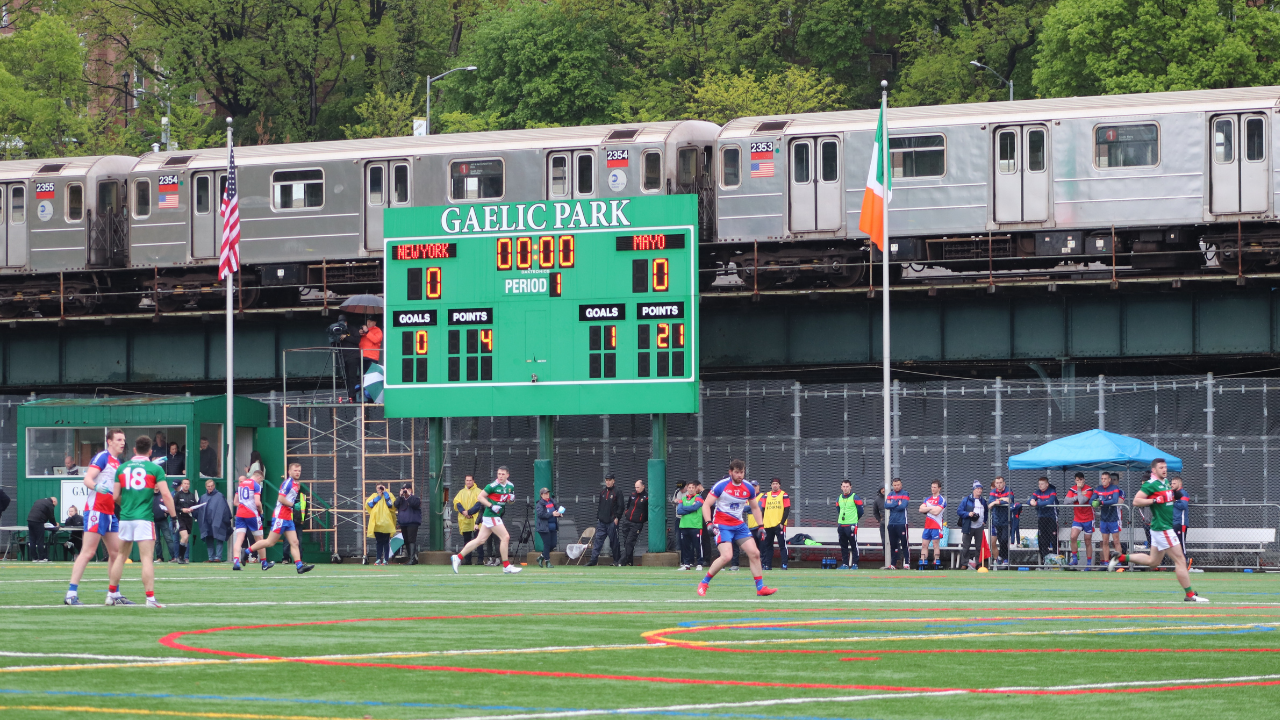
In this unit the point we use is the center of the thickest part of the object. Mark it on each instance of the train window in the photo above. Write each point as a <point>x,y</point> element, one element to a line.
<point>652,171</point>
<point>202,194</point>
<point>586,173</point>
<point>18,195</point>
<point>142,198</point>
<point>559,176</point>
<point>731,166</point>
<point>1035,150</point>
<point>375,184</point>
<point>830,161</point>
<point>1008,141</point>
<point>1119,146</point>
<point>297,189</point>
<point>1223,135</point>
<point>400,184</point>
<point>108,196</point>
<point>800,162</point>
<point>687,170</point>
<point>1255,140</point>
<point>75,202</point>
<point>475,179</point>
<point>920,156</point>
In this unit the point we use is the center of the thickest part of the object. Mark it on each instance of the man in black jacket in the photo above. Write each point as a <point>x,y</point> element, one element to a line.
<point>43,511</point>
<point>608,511</point>
<point>634,516</point>
<point>878,510</point>
<point>184,500</point>
<point>164,529</point>
<point>409,518</point>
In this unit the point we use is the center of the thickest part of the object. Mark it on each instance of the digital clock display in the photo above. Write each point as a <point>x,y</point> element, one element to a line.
<point>530,308</point>
<point>424,251</point>
<point>657,241</point>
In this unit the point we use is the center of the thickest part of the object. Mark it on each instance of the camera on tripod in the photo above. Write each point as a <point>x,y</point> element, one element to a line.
<point>339,333</point>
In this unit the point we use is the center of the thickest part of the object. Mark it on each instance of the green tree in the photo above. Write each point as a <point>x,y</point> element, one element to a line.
<point>1096,47</point>
<point>721,97</point>
<point>43,94</point>
<point>383,115</point>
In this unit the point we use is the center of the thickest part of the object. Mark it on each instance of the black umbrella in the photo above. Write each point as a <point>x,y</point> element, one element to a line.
<point>364,304</point>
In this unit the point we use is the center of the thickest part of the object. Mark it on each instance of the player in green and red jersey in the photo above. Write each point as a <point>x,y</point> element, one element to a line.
<point>1159,496</point>
<point>137,483</point>
<point>494,497</point>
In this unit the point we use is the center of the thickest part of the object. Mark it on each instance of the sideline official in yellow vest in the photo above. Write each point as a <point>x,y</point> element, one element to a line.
<point>777,510</point>
<point>466,499</point>
<point>850,511</point>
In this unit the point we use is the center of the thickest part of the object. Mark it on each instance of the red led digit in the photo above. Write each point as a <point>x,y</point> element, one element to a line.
<point>679,338</point>
<point>524,253</point>
<point>435,281</point>
<point>566,251</point>
<point>661,275</point>
<point>664,335</point>
<point>546,251</point>
<point>486,341</point>
<point>504,253</point>
<point>420,342</point>
<point>556,285</point>
<point>611,341</point>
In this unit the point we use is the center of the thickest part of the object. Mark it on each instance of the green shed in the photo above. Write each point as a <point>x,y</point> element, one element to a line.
<point>57,439</point>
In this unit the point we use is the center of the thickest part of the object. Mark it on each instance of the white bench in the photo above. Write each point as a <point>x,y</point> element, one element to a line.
<point>869,539</point>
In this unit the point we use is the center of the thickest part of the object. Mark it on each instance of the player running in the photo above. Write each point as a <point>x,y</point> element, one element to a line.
<point>100,520</point>
<point>494,498</point>
<point>282,522</point>
<point>248,515</point>
<point>729,499</point>
<point>1080,497</point>
<point>137,483</point>
<point>932,508</point>
<point>1156,494</point>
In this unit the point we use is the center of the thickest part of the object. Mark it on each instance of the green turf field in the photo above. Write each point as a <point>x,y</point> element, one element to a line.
<point>421,642</point>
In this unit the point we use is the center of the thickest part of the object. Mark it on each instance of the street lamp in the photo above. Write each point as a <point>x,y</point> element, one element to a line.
<point>975,63</point>
<point>430,80</point>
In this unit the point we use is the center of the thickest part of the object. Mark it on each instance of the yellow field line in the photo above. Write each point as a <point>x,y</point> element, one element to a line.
<point>165,713</point>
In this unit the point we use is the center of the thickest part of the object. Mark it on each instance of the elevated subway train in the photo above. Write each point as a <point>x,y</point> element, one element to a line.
<point>1026,185</point>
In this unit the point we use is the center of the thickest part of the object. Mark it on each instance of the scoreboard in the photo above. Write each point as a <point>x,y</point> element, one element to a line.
<point>580,307</point>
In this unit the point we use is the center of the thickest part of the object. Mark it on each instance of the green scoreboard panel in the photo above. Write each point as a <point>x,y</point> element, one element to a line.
<point>580,307</point>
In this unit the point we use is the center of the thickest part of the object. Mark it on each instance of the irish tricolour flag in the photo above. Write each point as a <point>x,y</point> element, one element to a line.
<point>879,189</point>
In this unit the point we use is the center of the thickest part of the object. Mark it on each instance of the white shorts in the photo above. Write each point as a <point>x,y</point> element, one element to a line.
<point>1160,539</point>
<point>136,530</point>
<point>490,522</point>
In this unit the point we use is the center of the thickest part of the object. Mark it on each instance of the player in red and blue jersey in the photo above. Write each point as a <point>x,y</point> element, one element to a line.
<point>723,512</point>
<point>932,508</point>
<point>101,522</point>
<point>248,502</point>
<point>1106,501</point>
<point>1080,496</point>
<point>282,522</point>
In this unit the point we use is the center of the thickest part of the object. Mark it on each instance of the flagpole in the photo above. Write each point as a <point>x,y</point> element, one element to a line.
<point>884,296</point>
<point>229,429</point>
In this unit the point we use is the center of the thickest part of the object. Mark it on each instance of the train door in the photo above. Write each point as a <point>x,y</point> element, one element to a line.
<point>206,218</point>
<point>571,175</point>
<point>816,184</point>
<point>376,199</point>
<point>803,190</point>
<point>1239,179</point>
<point>15,224</point>
<point>1021,162</point>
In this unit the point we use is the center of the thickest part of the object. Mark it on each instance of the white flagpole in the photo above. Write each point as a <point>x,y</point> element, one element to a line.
<point>229,429</point>
<point>884,277</point>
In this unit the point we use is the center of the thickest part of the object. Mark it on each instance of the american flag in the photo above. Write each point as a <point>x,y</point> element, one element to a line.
<point>229,255</point>
<point>762,169</point>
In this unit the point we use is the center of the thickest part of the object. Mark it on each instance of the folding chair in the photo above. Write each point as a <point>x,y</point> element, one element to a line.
<point>583,543</point>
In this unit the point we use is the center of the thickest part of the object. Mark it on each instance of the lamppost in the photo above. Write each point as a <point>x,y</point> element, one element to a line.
<point>975,63</point>
<point>430,80</point>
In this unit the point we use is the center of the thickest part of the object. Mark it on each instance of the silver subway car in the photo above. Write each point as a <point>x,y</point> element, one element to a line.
<point>1006,185</point>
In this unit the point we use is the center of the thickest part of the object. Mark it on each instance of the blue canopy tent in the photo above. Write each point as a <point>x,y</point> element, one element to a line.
<point>1092,450</point>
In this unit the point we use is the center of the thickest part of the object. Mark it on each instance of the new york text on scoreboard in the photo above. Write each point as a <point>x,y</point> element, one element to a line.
<point>544,308</point>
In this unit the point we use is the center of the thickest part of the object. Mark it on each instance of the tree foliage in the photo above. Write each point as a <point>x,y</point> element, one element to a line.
<point>721,97</point>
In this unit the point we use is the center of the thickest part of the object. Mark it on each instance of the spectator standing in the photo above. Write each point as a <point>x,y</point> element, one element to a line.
<point>1000,510</point>
<point>608,513</point>
<point>973,517</point>
<point>634,515</point>
<point>934,510</point>
<point>208,460</point>
<point>1015,518</point>
<point>896,502</point>
<point>776,506</point>
<point>176,465</point>
<point>1045,500</point>
<point>409,517</point>
<point>5,501</point>
<point>370,343</point>
<point>877,509</point>
<point>164,528</point>
<point>42,511</point>
<point>214,518</point>
<point>183,501</point>
<point>255,465</point>
<point>1106,500</point>
<point>1180,507</point>
<point>848,511</point>
<point>74,520</point>
<point>707,548</point>
<point>548,516</point>
<point>1080,498</point>
<point>689,512</point>
<point>466,499</point>
<point>382,522</point>
<point>160,451</point>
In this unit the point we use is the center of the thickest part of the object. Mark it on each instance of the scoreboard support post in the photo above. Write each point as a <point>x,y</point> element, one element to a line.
<point>543,466</point>
<point>658,484</point>
<point>435,481</point>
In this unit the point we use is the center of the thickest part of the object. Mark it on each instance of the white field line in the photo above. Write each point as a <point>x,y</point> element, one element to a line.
<point>260,576</point>
<point>960,636</point>
<point>80,656</point>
